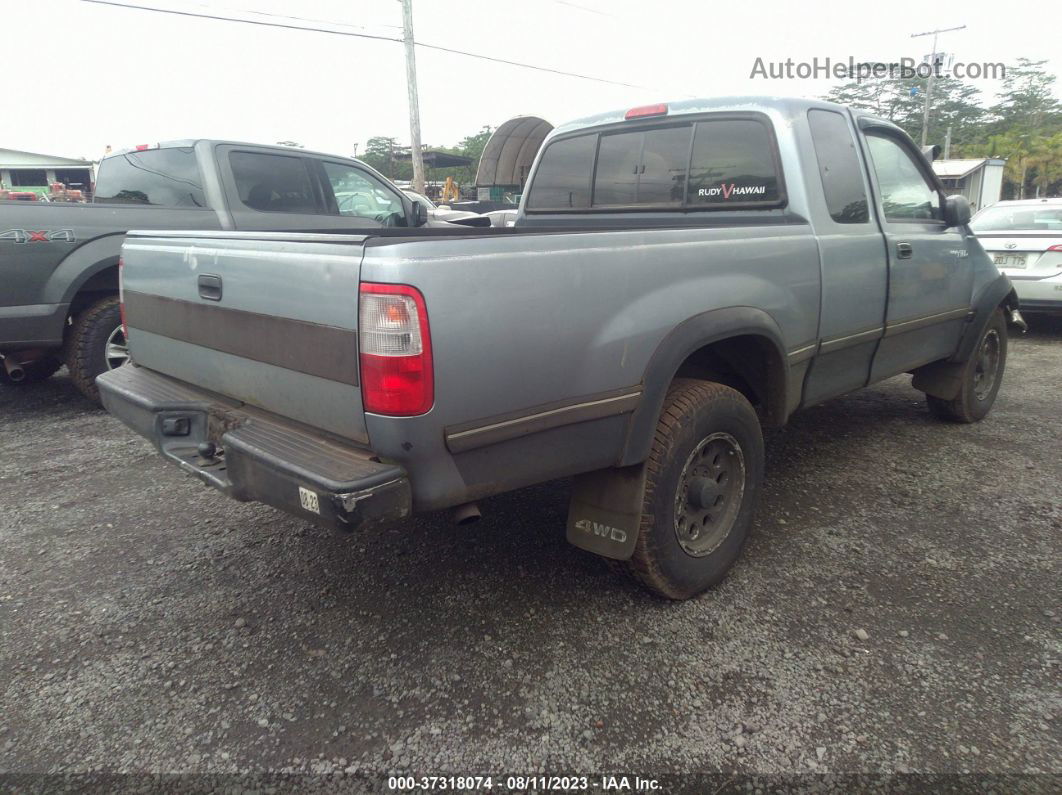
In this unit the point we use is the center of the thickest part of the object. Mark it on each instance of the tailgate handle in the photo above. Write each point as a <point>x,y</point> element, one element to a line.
<point>210,287</point>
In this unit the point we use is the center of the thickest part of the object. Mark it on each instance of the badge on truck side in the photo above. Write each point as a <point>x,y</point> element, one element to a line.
<point>38,235</point>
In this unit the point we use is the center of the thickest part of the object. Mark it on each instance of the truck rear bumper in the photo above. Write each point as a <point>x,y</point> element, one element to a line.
<point>260,456</point>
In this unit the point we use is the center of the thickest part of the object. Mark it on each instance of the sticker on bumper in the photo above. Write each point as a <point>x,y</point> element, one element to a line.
<point>308,500</point>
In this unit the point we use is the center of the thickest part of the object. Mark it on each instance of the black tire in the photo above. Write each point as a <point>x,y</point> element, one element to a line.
<point>87,347</point>
<point>32,372</point>
<point>982,375</point>
<point>704,428</point>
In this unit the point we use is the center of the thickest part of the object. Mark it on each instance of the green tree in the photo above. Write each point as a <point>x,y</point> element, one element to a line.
<point>1046,161</point>
<point>473,145</point>
<point>1024,128</point>
<point>377,152</point>
<point>1028,100</point>
<point>887,97</point>
<point>1012,145</point>
<point>954,104</point>
<point>384,154</point>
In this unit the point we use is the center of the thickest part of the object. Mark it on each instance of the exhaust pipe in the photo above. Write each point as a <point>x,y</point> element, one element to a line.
<point>466,514</point>
<point>14,370</point>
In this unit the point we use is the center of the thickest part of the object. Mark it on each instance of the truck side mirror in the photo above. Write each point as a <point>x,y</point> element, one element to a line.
<point>956,211</point>
<point>417,215</point>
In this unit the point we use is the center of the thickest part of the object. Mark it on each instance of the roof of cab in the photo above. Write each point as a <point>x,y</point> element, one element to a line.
<point>188,142</point>
<point>786,106</point>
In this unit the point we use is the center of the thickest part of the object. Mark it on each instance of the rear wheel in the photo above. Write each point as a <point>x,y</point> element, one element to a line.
<point>97,344</point>
<point>981,377</point>
<point>32,372</point>
<point>703,478</point>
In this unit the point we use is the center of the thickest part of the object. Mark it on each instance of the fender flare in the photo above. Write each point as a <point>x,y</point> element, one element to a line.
<point>943,379</point>
<point>994,294</point>
<point>689,336</point>
<point>82,264</point>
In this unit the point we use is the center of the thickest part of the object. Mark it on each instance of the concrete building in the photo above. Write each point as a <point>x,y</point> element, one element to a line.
<point>980,180</point>
<point>29,171</point>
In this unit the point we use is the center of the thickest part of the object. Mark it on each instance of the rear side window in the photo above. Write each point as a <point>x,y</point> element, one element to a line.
<point>648,167</point>
<point>728,162</point>
<point>162,177</point>
<point>842,178</point>
<point>562,180</point>
<point>273,183</point>
<point>733,163</point>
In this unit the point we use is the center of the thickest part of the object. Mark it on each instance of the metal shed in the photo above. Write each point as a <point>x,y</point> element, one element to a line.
<point>508,155</point>
<point>980,180</point>
<point>35,173</point>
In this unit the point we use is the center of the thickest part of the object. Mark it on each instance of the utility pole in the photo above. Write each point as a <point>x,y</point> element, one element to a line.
<point>414,103</point>
<point>932,73</point>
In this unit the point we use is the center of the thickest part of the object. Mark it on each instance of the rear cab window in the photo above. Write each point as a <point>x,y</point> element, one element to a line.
<point>719,161</point>
<point>274,183</point>
<point>166,177</point>
<point>839,169</point>
<point>647,167</point>
<point>562,179</point>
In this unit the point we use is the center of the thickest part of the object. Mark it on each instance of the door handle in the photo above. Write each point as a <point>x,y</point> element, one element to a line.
<point>904,250</point>
<point>210,287</point>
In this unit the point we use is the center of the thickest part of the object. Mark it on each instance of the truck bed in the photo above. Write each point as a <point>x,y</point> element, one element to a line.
<point>542,338</point>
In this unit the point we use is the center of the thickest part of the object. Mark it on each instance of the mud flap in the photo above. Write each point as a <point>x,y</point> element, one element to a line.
<point>606,511</point>
<point>939,379</point>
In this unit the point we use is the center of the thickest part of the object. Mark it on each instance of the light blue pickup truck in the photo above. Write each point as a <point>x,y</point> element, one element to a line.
<point>678,277</point>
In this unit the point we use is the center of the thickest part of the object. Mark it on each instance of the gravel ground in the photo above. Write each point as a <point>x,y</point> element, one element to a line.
<point>897,610</point>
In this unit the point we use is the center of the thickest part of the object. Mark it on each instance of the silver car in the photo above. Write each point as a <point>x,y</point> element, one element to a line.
<point>1024,239</point>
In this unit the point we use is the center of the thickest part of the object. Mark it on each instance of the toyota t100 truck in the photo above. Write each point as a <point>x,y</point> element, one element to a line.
<point>679,276</point>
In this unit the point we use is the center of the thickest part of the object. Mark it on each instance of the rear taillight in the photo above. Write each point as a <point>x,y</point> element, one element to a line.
<point>121,299</point>
<point>1055,248</point>
<point>396,366</point>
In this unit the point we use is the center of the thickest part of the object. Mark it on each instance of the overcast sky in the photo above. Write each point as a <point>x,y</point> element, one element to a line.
<point>79,76</point>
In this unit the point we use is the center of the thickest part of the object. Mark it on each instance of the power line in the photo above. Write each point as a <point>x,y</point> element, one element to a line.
<point>587,9</point>
<point>261,23</point>
<point>374,37</point>
<point>297,18</point>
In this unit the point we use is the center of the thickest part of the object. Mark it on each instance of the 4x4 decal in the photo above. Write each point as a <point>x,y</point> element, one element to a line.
<point>39,235</point>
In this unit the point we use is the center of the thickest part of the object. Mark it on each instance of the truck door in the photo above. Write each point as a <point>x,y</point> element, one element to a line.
<point>930,280</point>
<point>854,266</point>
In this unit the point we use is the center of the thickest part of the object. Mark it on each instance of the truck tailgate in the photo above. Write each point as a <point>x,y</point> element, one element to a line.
<point>252,317</point>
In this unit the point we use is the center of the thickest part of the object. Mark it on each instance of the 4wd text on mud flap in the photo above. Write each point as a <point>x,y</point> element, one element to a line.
<point>598,529</point>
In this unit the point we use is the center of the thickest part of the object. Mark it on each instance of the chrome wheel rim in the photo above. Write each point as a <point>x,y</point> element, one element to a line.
<point>986,370</point>
<point>709,494</point>
<point>116,352</point>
